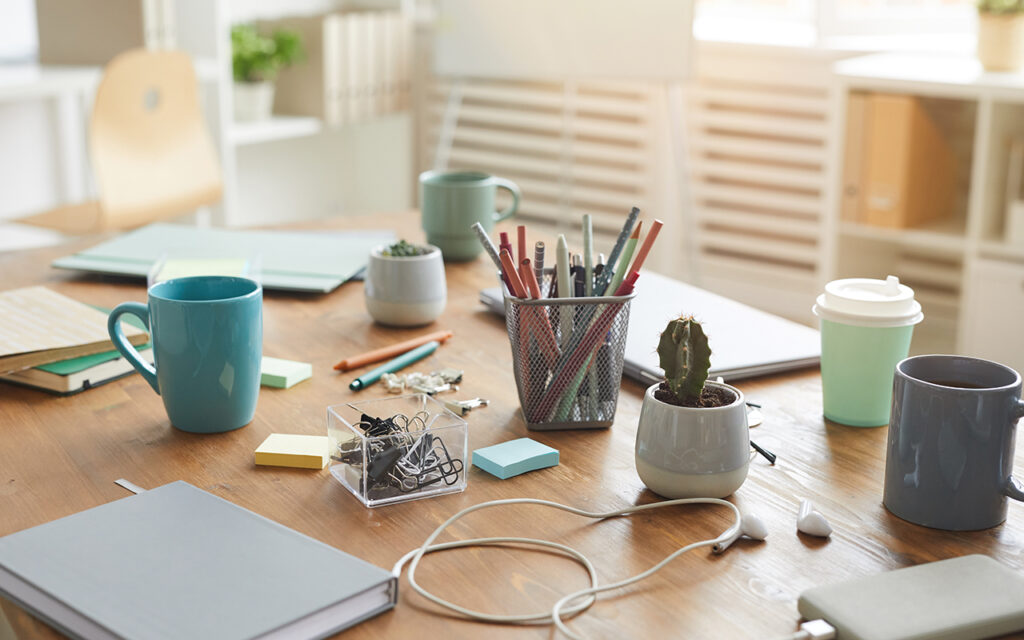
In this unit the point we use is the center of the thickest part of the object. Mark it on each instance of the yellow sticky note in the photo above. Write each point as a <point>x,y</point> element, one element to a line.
<point>289,450</point>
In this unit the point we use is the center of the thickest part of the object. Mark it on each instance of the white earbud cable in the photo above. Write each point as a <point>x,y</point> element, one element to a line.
<point>582,598</point>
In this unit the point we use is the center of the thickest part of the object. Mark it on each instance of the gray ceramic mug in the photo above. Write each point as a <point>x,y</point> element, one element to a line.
<point>951,442</point>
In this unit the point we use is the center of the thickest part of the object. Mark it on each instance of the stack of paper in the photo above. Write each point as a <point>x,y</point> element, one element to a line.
<point>38,326</point>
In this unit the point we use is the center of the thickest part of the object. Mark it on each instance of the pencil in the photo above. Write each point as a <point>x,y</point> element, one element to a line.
<point>390,352</point>
<point>538,263</point>
<point>588,254</point>
<point>392,366</point>
<point>518,288</point>
<point>646,248</point>
<point>521,238</point>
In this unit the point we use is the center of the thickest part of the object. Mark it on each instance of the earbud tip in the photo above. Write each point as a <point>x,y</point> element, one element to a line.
<point>753,527</point>
<point>814,524</point>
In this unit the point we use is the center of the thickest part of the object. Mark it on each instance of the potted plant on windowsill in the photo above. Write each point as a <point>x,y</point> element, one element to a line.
<point>693,440</point>
<point>256,60</point>
<point>1001,34</point>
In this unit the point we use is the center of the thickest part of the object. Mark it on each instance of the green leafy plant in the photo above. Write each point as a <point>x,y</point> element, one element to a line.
<point>1003,7</point>
<point>403,249</point>
<point>686,358</point>
<point>259,58</point>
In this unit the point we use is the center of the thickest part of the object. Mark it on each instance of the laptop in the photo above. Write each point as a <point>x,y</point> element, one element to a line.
<point>745,342</point>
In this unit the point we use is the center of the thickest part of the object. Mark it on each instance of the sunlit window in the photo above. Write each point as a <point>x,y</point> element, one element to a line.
<point>802,22</point>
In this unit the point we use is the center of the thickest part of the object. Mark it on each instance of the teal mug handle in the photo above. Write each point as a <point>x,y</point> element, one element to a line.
<point>126,348</point>
<point>512,188</point>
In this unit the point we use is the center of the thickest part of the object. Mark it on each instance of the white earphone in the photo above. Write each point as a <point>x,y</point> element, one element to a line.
<point>743,525</point>
<point>810,521</point>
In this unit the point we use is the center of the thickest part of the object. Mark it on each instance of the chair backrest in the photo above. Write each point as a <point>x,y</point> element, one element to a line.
<point>151,153</point>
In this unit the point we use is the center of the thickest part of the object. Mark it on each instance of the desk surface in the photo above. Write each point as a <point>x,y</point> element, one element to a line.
<point>61,455</point>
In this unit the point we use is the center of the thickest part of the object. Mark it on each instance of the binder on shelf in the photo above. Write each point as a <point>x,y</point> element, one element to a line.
<point>854,172</point>
<point>355,66</point>
<point>910,169</point>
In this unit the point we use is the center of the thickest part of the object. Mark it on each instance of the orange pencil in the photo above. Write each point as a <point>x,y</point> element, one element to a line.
<point>521,232</point>
<point>638,262</point>
<point>518,288</point>
<point>390,352</point>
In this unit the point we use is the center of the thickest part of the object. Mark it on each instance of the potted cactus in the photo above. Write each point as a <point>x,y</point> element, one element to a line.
<point>692,440</point>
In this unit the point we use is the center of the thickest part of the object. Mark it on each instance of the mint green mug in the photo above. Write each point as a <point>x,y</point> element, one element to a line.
<point>453,201</point>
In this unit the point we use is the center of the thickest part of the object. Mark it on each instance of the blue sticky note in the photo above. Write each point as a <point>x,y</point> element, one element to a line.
<point>514,457</point>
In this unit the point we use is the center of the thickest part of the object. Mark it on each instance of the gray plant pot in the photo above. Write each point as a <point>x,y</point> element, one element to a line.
<point>682,452</point>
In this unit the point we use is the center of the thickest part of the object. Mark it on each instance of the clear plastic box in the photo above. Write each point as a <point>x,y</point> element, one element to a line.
<point>418,452</point>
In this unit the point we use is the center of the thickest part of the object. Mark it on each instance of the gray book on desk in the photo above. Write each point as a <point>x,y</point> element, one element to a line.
<point>177,562</point>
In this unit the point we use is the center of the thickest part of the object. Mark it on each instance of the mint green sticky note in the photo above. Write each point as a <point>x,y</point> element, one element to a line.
<point>275,372</point>
<point>514,457</point>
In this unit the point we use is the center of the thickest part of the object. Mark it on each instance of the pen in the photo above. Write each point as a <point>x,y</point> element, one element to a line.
<point>603,285</point>
<point>504,243</point>
<point>627,254</point>
<point>564,287</point>
<point>389,352</point>
<point>392,366</point>
<point>577,275</point>
<point>538,263</point>
<point>588,254</point>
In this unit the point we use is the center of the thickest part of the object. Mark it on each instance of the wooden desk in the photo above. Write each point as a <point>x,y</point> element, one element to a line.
<point>61,455</point>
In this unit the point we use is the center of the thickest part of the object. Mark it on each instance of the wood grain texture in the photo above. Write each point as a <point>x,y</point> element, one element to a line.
<point>61,455</point>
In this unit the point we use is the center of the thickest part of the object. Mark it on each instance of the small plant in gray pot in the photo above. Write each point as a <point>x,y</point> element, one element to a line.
<point>692,440</point>
<point>405,284</point>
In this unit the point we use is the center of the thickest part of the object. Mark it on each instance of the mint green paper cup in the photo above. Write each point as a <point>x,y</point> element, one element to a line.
<point>866,329</point>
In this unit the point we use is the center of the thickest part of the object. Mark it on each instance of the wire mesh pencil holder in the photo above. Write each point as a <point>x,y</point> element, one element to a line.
<point>567,356</point>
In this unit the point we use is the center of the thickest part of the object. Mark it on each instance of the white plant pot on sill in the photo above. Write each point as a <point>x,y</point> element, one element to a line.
<point>684,452</point>
<point>1001,41</point>
<point>254,101</point>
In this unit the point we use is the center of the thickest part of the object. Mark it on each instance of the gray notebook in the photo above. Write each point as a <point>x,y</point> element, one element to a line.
<point>745,342</point>
<point>295,260</point>
<point>177,562</point>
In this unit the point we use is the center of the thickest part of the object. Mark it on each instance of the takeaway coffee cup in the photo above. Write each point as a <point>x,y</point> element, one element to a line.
<point>207,334</point>
<point>951,442</point>
<point>866,326</point>
<point>452,201</point>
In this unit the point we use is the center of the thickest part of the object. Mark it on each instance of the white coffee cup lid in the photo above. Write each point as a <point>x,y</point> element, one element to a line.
<point>868,302</point>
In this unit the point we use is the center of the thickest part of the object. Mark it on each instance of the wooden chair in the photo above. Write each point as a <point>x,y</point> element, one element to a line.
<point>151,154</point>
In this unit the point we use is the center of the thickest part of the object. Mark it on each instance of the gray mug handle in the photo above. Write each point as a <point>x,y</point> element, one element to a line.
<point>512,188</point>
<point>1013,488</point>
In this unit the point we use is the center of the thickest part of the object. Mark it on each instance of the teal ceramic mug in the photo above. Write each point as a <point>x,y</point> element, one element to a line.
<point>452,201</point>
<point>207,335</point>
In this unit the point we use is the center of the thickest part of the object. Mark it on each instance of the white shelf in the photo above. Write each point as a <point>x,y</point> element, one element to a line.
<point>953,76</point>
<point>1002,250</point>
<point>945,235</point>
<point>276,128</point>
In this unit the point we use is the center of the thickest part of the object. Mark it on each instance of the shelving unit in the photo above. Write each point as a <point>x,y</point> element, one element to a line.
<point>967,277</point>
<point>285,168</point>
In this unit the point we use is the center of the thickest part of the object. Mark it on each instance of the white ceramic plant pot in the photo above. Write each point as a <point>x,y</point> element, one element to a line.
<point>407,291</point>
<point>682,452</point>
<point>254,101</point>
<point>1001,41</point>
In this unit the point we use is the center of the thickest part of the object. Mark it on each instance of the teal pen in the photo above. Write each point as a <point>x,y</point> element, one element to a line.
<point>392,366</point>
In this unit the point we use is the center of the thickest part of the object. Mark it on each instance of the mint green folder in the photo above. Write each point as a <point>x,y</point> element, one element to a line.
<point>177,562</point>
<point>290,260</point>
